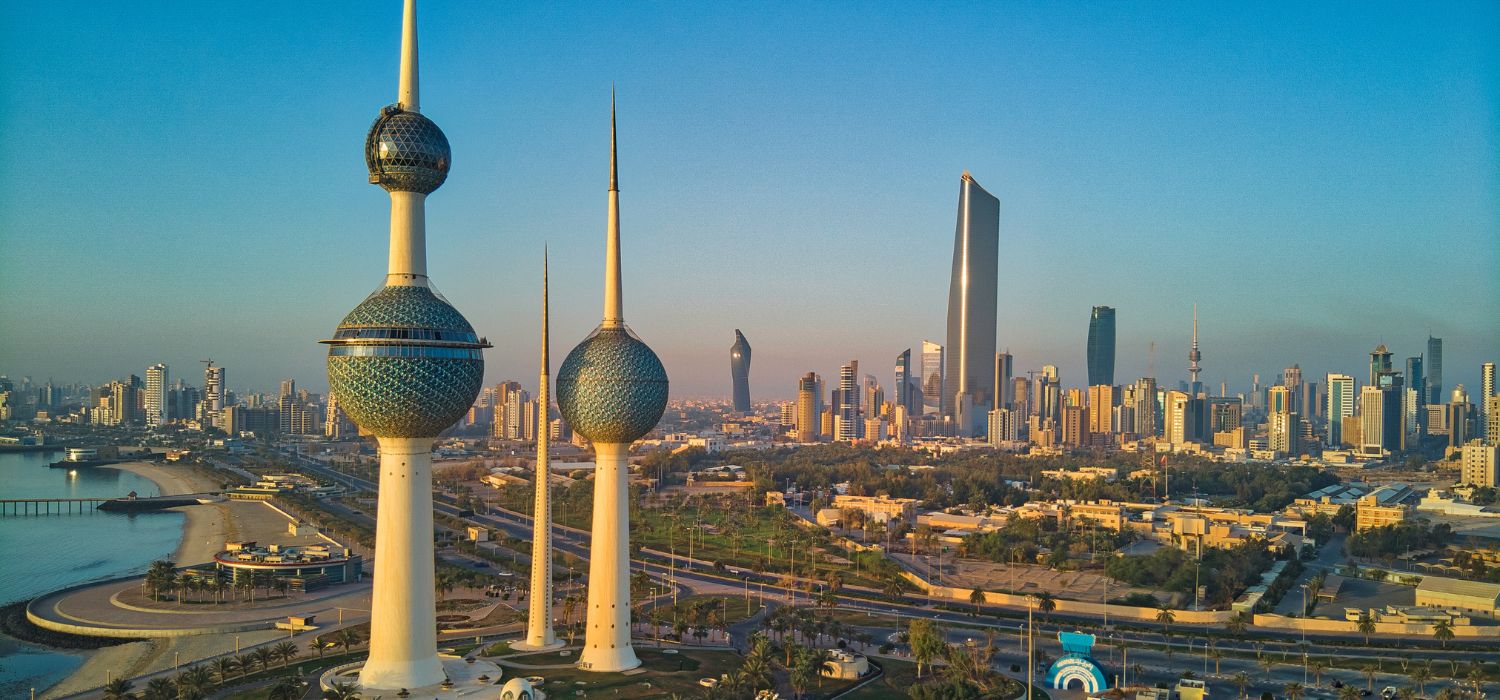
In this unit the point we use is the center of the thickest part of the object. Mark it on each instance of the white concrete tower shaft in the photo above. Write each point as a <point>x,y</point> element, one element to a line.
<point>606,638</point>
<point>403,630</point>
<point>408,257</point>
<point>539,632</point>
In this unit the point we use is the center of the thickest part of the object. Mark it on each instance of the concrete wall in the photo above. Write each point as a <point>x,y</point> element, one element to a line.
<point>1123,612</point>
<point>1352,628</point>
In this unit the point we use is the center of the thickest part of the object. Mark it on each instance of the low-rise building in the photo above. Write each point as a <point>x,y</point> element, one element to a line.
<point>880,508</point>
<point>1474,597</point>
<point>1387,505</point>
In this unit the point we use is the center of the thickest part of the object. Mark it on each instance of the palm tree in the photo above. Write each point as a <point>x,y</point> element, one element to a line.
<point>264,656</point>
<point>1318,666</point>
<point>1293,691</point>
<point>286,688</point>
<point>1348,692</point>
<point>316,644</point>
<point>1237,623</point>
<point>1420,675</point>
<point>1218,655</point>
<point>159,688</point>
<point>347,638</point>
<point>342,691</point>
<point>193,683</point>
<point>246,663</point>
<point>286,651</point>
<point>893,588</point>
<point>1443,631</point>
<point>225,666</point>
<point>1475,677</point>
<point>119,689</point>
<point>1366,625</point>
<point>1370,670</point>
<point>1044,603</point>
<point>1165,617</point>
<point>1266,664</point>
<point>1242,681</point>
<point>1405,693</point>
<point>977,598</point>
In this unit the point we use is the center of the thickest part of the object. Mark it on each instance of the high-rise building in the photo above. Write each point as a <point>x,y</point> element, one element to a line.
<point>612,389</point>
<point>1147,424</point>
<point>1487,391</point>
<point>1492,419</point>
<point>1177,414</point>
<point>739,371</point>
<point>1341,394</point>
<point>1101,348</point>
<point>1291,378</point>
<point>1279,400</point>
<point>932,375</point>
<point>1435,370</point>
<point>907,387</point>
<point>1380,361</point>
<point>1380,423</point>
<point>874,397</point>
<point>847,421</point>
<point>156,395</point>
<point>1075,426</point>
<point>1195,387</point>
<point>288,388</point>
<point>1004,389</point>
<point>1101,408</point>
<point>539,633</point>
<point>809,408</point>
<point>972,298</point>
<point>213,393</point>
<point>1478,464</point>
<point>1002,426</point>
<point>1416,388</point>
<point>399,382</point>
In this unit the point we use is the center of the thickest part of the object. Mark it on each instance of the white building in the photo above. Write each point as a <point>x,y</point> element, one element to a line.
<point>156,395</point>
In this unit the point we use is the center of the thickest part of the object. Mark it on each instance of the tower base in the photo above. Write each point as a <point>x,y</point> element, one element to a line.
<point>523,645</point>
<point>480,680</point>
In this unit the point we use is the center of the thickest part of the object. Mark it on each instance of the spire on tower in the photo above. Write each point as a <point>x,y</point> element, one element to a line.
<point>407,92</point>
<point>614,313</point>
<point>545,343</point>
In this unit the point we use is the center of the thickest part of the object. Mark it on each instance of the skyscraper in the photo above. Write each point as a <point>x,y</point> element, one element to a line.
<point>972,298</point>
<point>739,371</point>
<point>1341,395</point>
<point>932,375</point>
<point>1005,392</point>
<point>405,366</point>
<point>1435,371</point>
<point>1380,361</point>
<point>156,395</point>
<point>1414,402</point>
<point>809,408</point>
<point>213,393</point>
<point>901,387</point>
<point>1487,390</point>
<point>612,389</point>
<point>1101,349</point>
<point>847,423</point>
<point>1195,387</point>
<point>539,633</point>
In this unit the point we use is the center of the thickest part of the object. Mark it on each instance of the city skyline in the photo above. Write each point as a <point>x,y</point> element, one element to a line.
<point>1354,125</point>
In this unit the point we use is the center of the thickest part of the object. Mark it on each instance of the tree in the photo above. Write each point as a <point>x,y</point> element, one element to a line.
<point>1475,677</point>
<point>342,691</point>
<point>1218,655</point>
<point>1348,692</point>
<point>1165,617</point>
<point>1420,675</point>
<point>286,688</point>
<point>264,656</point>
<point>286,651</point>
<point>1266,664</point>
<point>1443,631</point>
<point>159,688</point>
<point>1242,681</point>
<point>225,666</point>
<point>1366,625</point>
<point>1237,623</point>
<point>1292,690</point>
<point>977,598</point>
<point>317,644</point>
<point>119,689</point>
<point>1318,666</point>
<point>1370,670</point>
<point>348,638</point>
<point>926,643</point>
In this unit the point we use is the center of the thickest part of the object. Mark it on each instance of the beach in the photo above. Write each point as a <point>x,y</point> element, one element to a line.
<point>206,527</point>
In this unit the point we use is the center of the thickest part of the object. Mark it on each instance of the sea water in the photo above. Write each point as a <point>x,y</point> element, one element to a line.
<point>42,553</point>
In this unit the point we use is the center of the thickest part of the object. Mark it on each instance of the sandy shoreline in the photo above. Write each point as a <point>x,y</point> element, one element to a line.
<point>206,527</point>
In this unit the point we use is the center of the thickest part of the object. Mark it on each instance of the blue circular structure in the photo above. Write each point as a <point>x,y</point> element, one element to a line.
<point>1077,664</point>
<point>406,152</point>
<point>405,363</point>
<point>612,388</point>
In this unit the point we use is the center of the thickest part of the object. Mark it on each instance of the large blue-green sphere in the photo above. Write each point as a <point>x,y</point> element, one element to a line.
<point>612,388</point>
<point>405,363</point>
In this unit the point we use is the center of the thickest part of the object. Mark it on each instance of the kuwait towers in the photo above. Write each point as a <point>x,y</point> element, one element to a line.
<point>405,366</point>
<point>612,389</point>
<point>539,633</point>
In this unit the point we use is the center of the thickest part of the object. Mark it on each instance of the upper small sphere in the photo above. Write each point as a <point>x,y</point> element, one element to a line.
<point>612,388</point>
<point>406,152</point>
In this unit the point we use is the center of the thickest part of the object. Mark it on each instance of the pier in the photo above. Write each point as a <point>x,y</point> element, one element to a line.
<point>48,506</point>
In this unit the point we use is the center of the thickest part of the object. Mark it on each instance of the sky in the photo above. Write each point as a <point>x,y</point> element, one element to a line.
<point>184,181</point>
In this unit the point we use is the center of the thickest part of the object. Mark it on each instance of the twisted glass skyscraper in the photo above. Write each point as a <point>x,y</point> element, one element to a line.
<point>969,379</point>
<point>1102,346</point>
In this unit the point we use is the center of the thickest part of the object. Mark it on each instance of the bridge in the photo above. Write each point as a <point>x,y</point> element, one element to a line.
<point>48,506</point>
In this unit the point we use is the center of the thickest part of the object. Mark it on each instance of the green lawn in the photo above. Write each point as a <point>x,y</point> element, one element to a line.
<point>665,674</point>
<point>902,675</point>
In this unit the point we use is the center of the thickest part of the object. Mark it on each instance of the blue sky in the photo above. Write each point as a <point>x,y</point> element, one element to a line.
<point>180,182</point>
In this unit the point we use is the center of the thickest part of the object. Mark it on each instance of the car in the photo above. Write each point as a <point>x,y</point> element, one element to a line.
<point>1338,683</point>
<point>1364,693</point>
<point>481,565</point>
<point>1388,692</point>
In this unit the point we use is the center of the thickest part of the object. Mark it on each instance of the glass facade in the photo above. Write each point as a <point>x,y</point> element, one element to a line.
<point>1101,356</point>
